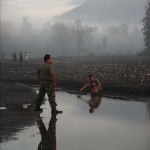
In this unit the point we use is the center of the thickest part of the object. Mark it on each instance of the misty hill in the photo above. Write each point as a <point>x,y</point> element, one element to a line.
<point>107,11</point>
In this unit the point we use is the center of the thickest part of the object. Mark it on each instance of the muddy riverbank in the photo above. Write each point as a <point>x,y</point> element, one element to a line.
<point>123,76</point>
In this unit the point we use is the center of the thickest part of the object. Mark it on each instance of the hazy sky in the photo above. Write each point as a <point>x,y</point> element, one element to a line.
<point>38,11</point>
<point>41,11</point>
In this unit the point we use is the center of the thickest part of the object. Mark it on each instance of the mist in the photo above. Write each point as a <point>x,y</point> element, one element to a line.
<point>66,39</point>
<point>61,37</point>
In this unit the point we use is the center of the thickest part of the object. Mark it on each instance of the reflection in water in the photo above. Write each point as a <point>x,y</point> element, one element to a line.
<point>148,107</point>
<point>117,125</point>
<point>94,102</point>
<point>48,137</point>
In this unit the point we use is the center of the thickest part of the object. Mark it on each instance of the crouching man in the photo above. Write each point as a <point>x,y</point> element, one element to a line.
<point>93,84</point>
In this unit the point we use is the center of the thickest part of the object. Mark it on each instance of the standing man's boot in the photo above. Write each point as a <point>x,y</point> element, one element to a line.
<point>55,111</point>
<point>37,108</point>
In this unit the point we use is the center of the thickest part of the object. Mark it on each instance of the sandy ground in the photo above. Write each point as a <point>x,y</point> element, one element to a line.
<point>123,77</point>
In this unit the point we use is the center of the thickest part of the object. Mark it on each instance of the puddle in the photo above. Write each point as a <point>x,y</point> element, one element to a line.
<point>2,108</point>
<point>113,125</point>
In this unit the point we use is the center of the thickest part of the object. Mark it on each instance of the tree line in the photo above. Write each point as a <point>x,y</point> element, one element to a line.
<point>75,38</point>
<point>146,31</point>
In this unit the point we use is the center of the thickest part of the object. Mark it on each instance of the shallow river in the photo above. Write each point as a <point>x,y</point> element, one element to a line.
<point>87,123</point>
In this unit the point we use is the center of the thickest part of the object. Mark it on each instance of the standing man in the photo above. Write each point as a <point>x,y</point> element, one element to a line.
<point>46,74</point>
<point>26,56</point>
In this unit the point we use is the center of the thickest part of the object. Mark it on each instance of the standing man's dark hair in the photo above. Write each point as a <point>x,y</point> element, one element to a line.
<point>46,57</point>
<point>90,75</point>
<point>46,74</point>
